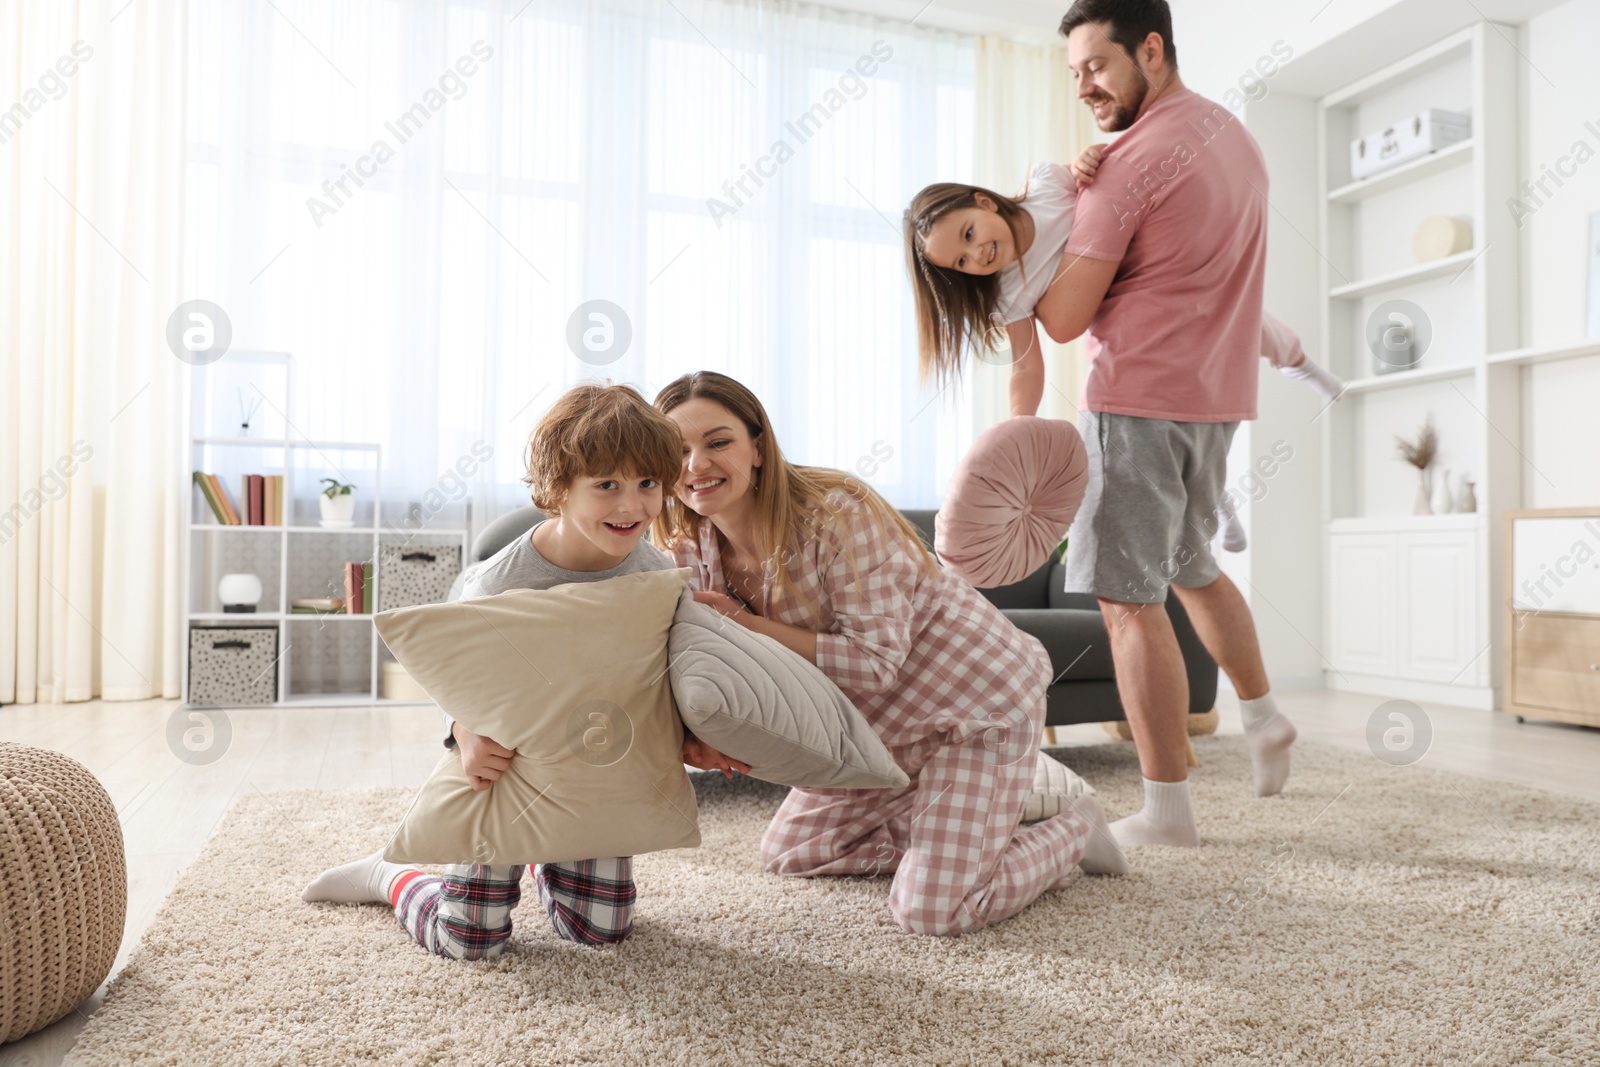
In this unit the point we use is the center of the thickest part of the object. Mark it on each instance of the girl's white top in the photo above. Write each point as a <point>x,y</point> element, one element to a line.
<point>1051,197</point>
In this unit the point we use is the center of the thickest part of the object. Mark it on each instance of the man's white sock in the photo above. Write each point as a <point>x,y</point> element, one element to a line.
<point>1325,382</point>
<point>1167,818</point>
<point>1269,734</point>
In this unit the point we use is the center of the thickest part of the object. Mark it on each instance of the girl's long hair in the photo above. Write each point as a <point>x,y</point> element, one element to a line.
<point>792,502</point>
<point>953,309</point>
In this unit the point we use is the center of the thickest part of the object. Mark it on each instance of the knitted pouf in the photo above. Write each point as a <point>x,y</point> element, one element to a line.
<point>63,887</point>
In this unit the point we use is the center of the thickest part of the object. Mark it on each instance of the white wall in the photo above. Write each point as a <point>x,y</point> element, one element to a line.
<point>1219,41</point>
<point>1561,107</point>
<point>1280,574</point>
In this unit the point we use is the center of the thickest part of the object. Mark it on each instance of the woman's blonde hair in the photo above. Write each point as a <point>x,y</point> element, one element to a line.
<point>791,502</point>
<point>953,309</point>
<point>596,430</point>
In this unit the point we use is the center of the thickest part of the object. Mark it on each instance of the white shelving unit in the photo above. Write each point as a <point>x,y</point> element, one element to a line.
<point>300,557</point>
<point>1410,601</point>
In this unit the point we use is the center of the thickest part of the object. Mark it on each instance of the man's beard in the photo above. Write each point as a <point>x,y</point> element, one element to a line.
<point>1122,116</point>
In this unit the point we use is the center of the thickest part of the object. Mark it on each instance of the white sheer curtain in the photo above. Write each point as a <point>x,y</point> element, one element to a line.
<point>414,198</point>
<point>91,187</point>
<point>1027,112</point>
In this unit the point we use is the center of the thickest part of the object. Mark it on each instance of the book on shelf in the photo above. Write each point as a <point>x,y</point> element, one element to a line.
<point>354,581</point>
<point>367,571</point>
<point>221,506</point>
<point>211,498</point>
<point>227,501</point>
<point>320,605</point>
<point>260,503</point>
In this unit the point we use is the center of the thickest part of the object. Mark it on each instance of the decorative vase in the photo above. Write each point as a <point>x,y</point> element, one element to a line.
<point>337,510</point>
<point>1394,348</point>
<point>1443,500</point>
<point>239,592</point>
<point>1468,500</point>
<point>1422,507</point>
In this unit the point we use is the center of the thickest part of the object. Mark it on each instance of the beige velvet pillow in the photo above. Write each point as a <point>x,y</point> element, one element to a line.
<point>574,678</point>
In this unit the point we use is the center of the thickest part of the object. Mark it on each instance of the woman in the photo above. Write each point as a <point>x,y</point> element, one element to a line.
<point>818,561</point>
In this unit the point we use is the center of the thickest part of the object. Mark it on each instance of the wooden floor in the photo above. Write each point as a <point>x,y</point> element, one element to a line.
<point>170,807</point>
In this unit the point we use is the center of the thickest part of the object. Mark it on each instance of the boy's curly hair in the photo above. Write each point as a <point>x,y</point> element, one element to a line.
<point>596,430</point>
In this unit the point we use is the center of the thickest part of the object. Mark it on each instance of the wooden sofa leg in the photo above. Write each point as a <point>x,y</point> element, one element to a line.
<point>1194,761</point>
<point>1049,735</point>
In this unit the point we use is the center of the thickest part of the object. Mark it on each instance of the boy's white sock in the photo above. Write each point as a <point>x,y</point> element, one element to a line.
<point>1233,538</point>
<point>363,881</point>
<point>1167,818</point>
<point>1269,733</point>
<point>1325,382</point>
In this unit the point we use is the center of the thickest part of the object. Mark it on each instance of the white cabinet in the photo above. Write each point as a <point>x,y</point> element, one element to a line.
<point>1437,609</point>
<point>1403,604</point>
<point>1361,601</point>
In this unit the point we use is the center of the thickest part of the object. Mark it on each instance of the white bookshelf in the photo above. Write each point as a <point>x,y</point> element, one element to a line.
<point>1410,601</point>
<point>1457,155</point>
<point>297,558</point>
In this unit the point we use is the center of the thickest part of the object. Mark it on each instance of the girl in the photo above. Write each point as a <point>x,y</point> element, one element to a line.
<point>981,263</point>
<point>818,561</point>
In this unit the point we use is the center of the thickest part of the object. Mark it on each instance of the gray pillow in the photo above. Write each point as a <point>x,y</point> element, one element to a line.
<point>752,699</point>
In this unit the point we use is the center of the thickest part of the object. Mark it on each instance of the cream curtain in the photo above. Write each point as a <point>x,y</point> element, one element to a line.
<point>91,157</point>
<point>1026,112</point>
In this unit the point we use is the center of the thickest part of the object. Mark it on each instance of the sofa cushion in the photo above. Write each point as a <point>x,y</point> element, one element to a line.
<point>1058,597</point>
<point>574,678</point>
<point>754,700</point>
<point>1074,638</point>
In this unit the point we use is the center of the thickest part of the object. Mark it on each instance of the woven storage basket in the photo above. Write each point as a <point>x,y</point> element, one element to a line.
<point>63,884</point>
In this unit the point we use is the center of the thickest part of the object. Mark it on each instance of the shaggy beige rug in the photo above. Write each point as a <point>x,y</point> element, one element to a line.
<point>1371,915</point>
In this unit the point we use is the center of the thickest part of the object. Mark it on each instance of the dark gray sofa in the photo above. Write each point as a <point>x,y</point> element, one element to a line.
<point>1069,625</point>
<point>1072,630</point>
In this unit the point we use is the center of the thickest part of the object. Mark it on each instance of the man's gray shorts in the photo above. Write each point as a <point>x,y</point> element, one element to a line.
<point>1149,514</point>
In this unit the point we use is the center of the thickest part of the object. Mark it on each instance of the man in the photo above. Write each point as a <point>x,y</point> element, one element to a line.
<point>1164,270</point>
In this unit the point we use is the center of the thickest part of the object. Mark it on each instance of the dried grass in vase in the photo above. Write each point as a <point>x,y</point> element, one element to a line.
<point>1419,453</point>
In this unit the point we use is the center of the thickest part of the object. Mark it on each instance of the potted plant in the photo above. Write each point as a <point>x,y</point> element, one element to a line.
<point>338,507</point>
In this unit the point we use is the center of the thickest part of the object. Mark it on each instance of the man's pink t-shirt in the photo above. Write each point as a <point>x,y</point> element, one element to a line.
<point>1181,199</point>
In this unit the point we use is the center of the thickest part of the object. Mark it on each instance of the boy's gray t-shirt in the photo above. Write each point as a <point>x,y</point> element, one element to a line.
<point>520,565</point>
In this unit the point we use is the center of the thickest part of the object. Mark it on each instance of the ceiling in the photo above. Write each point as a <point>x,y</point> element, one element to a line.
<point>1029,20</point>
<point>1036,20</point>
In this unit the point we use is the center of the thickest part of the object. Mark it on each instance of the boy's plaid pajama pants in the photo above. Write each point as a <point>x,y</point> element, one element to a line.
<point>466,914</point>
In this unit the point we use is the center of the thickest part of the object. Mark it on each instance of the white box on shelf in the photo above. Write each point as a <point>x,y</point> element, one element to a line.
<point>1416,136</point>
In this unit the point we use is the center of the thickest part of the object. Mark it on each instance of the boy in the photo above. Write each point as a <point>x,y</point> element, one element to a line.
<point>598,463</point>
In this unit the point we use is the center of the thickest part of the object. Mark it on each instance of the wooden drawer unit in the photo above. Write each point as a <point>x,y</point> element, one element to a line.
<point>1553,614</point>
<point>1555,667</point>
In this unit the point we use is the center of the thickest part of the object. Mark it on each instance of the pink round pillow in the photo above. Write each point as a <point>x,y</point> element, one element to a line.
<point>1011,500</point>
